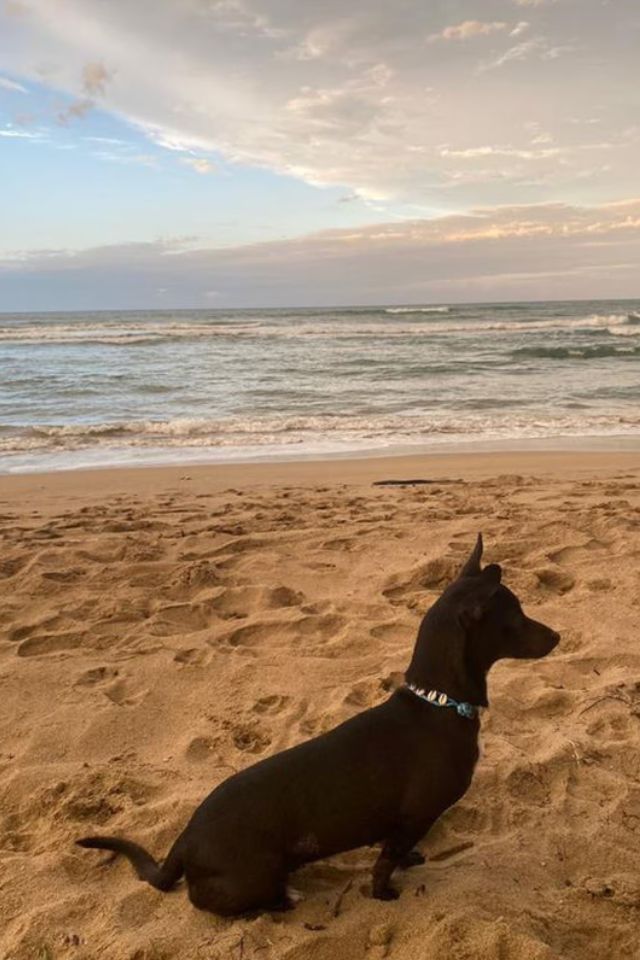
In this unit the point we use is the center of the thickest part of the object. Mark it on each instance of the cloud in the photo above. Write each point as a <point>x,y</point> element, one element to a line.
<point>14,8</point>
<point>10,133</point>
<point>200,164</point>
<point>528,252</point>
<point>112,141</point>
<point>502,151</point>
<point>95,77</point>
<point>520,51</point>
<point>538,47</point>
<point>467,29</point>
<point>350,96</point>
<point>12,86</point>
<point>127,157</point>
<point>75,111</point>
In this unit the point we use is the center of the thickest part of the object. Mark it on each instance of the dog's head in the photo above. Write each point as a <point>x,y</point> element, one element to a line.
<point>476,622</point>
<point>491,615</point>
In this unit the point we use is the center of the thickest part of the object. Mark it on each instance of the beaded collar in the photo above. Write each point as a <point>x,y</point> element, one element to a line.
<point>437,699</point>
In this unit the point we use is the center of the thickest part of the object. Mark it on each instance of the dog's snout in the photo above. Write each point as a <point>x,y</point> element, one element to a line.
<point>541,639</point>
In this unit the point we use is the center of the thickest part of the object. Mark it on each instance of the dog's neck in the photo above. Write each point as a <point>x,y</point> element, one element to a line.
<point>448,664</point>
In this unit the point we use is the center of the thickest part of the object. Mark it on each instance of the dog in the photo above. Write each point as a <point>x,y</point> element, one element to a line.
<point>384,776</point>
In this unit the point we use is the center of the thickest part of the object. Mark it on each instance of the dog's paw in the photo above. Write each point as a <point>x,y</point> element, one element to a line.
<point>389,893</point>
<point>412,859</point>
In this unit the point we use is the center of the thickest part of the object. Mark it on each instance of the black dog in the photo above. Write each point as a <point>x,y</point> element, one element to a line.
<point>385,776</point>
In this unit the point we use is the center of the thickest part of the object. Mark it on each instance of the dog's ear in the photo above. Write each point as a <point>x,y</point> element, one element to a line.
<point>472,566</point>
<point>473,603</point>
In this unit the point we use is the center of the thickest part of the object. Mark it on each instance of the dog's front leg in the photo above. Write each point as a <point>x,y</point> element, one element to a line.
<point>397,851</point>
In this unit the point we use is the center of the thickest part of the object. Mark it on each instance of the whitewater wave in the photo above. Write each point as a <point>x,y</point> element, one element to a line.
<point>418,310</point>
<point>144,333</point>
<point>310,431</point>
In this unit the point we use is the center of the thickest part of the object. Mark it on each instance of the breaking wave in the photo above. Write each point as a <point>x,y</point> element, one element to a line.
<point>353,325</point>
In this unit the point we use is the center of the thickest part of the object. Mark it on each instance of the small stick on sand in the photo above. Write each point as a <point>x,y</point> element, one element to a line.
<point>338,904</point>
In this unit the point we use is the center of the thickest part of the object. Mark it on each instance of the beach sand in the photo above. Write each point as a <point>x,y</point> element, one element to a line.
<point>161,628</point>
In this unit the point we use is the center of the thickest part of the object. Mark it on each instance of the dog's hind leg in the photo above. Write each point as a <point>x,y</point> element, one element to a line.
<point>230,895</point>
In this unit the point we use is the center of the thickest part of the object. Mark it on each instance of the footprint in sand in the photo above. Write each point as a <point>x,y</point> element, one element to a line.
<point>119,692</point>
<point>272,704</point>
<point>16,841</point>
<point>572,553</point>
<point>62,576</point>
<point>180,618</point>
<point>250,739</point>
<point>395,631</point>
<point>192,656</point>
<point>343,544</point>
<point>612,729</point>
<point>364,694</point>
<point>9,568</point>
<point>554,580</point>
<point>408,588</point>
<point>96,798</point>
<point>313,635</point>
<point>22,631</point>
<point>529,785</point>
<point>135,910</point>
<point>379,940</point>
<point>196,576</point>
<point>199,749</point>
<point>49,643</point>
<point>96,675</point>
<point>552,703</point>
<point>248,636</point>
<point>239,602</point>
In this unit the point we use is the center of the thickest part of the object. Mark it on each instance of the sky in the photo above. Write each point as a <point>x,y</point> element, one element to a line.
<point>229,153</point>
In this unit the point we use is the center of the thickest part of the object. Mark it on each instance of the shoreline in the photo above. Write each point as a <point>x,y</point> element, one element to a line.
<point>435,467</point>
<point>188,457</point>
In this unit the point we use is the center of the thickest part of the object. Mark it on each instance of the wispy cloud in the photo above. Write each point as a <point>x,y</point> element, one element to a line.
<point>520,51</point>
<point>468,29</point>
<point>537,47</point>
<point>112,141</point>
<point>200,164</point>
<point>75,111</point>
<point>12,86</point>
<point>471,153</point>
<point>127,157</point>
<point>10,133</point>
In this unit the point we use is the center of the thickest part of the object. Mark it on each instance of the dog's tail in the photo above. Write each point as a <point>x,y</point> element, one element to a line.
<point>162,877</point>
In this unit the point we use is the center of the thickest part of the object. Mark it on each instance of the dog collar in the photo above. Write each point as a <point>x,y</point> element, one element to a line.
<point>437,699</point>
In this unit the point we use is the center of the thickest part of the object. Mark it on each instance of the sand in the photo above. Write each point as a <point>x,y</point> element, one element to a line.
<point>162,628</point>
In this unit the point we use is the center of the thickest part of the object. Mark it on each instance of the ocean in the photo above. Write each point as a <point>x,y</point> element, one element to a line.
<point>115,388</point>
